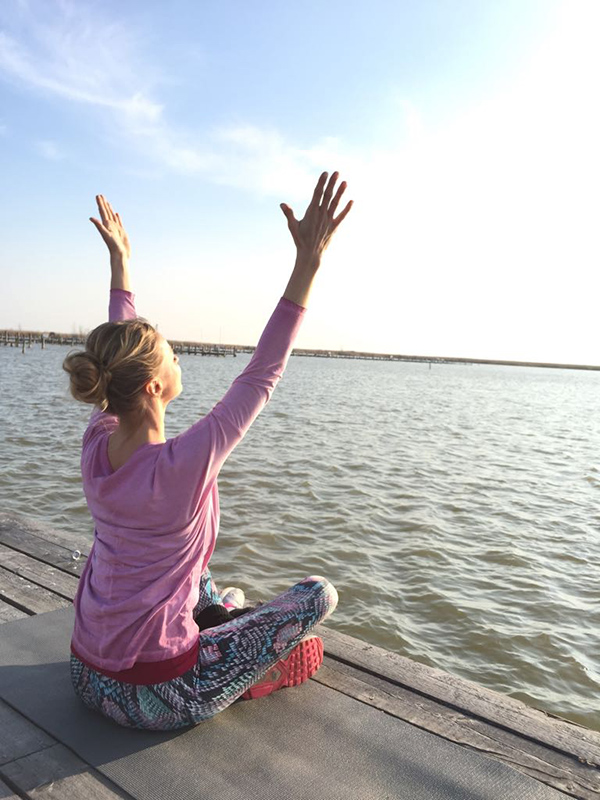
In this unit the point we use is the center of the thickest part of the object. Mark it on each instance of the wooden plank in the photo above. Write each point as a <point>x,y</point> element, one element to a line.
<point>6,793</point>
<point>9,613</point>
<point>18,736</point>
<point>42,549</point>
<point>562,772</point>
<point>38,572</point>
<point>70,541</point>
<point>28,596</point>
<point>57,773</point>
<point>447,705</point>
<point>466,696</point>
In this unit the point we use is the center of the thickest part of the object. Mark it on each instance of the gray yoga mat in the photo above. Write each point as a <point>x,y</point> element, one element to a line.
<point>305,743</point>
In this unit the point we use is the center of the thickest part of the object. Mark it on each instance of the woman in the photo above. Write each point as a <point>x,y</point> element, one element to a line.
<point>138,655</point>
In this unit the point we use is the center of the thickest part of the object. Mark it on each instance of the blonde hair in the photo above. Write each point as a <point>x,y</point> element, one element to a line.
<point>118,361</point>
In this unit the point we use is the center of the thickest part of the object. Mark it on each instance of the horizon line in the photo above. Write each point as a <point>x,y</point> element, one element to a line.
<point>5,333</point>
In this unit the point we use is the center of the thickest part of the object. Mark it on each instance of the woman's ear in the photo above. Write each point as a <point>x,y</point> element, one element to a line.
<point>155,387</point>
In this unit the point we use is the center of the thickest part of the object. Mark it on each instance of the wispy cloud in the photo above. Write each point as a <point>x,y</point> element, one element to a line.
<point>488,208</point>
<point>69,50</point>
<point>73,50</point>
<point>61,47</point>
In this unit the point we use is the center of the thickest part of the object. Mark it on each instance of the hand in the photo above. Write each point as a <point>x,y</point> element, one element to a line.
<point>313,233</point>
<point>111,229</point>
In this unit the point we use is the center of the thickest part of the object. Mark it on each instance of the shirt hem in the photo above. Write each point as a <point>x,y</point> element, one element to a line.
<point>147,672</point>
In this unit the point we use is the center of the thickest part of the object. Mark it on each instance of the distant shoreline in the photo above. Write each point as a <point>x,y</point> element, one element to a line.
<point>12,338</point>
<point>436,359</point>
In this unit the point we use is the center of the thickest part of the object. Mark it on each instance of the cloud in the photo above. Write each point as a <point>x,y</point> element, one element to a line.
<point>507,146</point>
<point>487,213</point>
<point>262,160</point>
<point>69,50</point>
<point>62,48</point>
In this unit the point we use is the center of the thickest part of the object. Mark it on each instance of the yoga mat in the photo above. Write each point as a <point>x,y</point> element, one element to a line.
<point>305,743</point>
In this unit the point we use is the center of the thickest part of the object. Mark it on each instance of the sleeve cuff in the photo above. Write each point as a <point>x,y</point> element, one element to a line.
<point>291,305</point>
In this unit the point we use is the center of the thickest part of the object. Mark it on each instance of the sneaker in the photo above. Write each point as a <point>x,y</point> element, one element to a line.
<point>301,664</point>
<point>232,597</point>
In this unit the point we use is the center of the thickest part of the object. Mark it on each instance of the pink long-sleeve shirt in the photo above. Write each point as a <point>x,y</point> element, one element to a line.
<point>157,518</point>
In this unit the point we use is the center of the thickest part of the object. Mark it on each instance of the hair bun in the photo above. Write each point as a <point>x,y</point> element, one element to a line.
<point>119,359</point>
<point>106,374</point>
<point>88,378</point>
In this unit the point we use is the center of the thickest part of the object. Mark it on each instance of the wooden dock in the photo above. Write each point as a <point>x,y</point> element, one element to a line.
<point>27,339</point>
<point>39,571</point>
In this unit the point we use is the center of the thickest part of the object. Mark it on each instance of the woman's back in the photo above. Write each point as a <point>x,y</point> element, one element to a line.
<point>156,509</point>
<point>119,452</point>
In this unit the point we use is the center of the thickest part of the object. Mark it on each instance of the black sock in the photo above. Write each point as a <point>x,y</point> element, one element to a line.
<point>238,612</point>
<point>211,616</point>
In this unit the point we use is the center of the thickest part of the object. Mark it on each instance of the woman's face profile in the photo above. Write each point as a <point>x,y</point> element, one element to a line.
<point>170,372</point>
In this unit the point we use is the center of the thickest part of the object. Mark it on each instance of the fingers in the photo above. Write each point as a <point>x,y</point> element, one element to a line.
<point>338,196</point>
<point>100,228</point>
<point>101,209</point>
<point>329,205</point>
<point>292,221</point>
<point>289,214</point>
<point>316,198</point>
<point>326,203</point>
<point>105,209</point>
<point>343,214</point>
<point>111,213</point>
<point>329,190</point>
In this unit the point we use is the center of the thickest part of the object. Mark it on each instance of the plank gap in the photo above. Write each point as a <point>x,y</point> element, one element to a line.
<point>47,576</point>
<point>9,601</point>
<point>44,550</point>
<point>13,786</point>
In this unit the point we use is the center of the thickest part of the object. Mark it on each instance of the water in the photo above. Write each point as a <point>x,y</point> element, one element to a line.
<point>454,508</point>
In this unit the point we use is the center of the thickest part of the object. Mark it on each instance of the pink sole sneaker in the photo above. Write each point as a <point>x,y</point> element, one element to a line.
<point>301,664</point>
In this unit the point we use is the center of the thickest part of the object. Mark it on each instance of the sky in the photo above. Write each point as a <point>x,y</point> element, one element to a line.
<point>468,132</point>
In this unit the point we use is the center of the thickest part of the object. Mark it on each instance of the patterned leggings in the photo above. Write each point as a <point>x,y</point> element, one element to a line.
<point>231,658</point>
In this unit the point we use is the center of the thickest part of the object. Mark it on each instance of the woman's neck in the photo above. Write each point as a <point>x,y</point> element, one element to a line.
<point>149,428</point>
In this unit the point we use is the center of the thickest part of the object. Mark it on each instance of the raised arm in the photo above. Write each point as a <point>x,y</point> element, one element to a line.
<point>253,388</point>
<point>202,449</point>
<point>121,305</point>
<point>115,237</point>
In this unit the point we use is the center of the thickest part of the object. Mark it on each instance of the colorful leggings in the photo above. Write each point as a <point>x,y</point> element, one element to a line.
<point>231,658</point>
